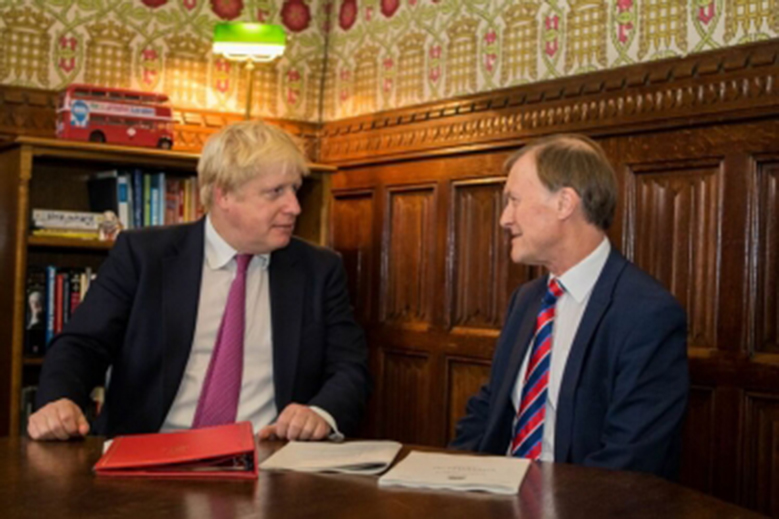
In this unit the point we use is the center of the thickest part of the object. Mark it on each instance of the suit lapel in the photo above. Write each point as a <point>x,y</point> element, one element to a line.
<point>525,317</point>
<point>182,275</point>
<point>287,284</point>
<point>600,300</point>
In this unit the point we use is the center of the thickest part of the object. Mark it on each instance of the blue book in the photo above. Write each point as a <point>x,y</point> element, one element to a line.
<point>137,199</point>
<point>51,281</point>
<point>161,198</point>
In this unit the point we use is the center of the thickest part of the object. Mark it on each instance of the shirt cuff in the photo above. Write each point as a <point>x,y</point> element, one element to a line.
<point>335,434</point>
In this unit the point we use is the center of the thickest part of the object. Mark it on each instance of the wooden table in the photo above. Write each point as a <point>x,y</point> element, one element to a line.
<point>54,480</point>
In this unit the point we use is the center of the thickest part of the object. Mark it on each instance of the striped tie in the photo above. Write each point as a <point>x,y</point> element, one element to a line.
<point>529,426</point>
<point>218,403</point>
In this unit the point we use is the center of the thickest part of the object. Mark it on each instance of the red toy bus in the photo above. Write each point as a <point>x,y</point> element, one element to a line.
<point>115,115</point>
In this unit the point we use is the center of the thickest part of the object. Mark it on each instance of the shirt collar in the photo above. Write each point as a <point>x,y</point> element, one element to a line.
<point>579,279</point>
<point>219,252</point>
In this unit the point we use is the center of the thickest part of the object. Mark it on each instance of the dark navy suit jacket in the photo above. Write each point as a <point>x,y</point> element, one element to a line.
<point>139,318</point>
<point>624,390</point>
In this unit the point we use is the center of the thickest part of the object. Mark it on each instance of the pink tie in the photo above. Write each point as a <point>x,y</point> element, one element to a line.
<point>218,404</point>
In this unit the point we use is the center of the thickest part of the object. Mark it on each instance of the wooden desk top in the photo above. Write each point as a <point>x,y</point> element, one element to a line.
<point>54,480</point>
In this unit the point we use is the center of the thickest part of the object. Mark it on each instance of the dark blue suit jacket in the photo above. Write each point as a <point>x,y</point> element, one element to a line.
<point>139,317</point>
<point>624,390</point>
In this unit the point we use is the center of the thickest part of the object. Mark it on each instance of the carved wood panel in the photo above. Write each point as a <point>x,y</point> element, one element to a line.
<point>761,454</point>
<point>407,257</point>
<point>766,327</point>
<point>464,379</point>
<point>478,255</point>
<point>674,224</point>
<point>406,382</point>
<point>351,227</point>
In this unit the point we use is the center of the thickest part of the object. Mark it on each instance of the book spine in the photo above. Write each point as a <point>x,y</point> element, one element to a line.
<point>155,200</point>
<point>58,279</point>
<point>65,297</point>
<point>137,198</point>
<point>161,198</point>
<point>146,200</point>
<point>51,276</point>
<point>171,199</point>
<point>75,290</point>
<point>35,322</point>
<point>123,198</point>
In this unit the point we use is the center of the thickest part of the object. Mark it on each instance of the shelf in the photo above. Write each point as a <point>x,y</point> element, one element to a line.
<point>110,153</point>
<point>33,361</point>
<point>68,243</point>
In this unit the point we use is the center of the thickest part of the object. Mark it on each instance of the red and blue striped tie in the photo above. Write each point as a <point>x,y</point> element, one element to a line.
<point>529,426</point>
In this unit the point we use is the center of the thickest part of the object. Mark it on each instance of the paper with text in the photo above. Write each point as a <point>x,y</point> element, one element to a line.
<point>500,475</point>
<point>358,457</point>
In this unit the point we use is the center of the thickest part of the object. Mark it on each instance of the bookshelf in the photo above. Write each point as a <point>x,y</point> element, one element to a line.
<point>52,174</point>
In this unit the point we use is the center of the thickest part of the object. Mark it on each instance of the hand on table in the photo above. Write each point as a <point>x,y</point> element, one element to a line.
<point>296,422</point>
<point>58,420</point>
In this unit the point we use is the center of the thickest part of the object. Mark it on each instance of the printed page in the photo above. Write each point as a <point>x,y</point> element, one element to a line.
<point>359,457</point>
<point>501,475</point>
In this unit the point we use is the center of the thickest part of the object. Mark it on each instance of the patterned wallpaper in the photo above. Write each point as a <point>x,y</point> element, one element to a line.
<point>350,57</point>
<point>164,45</point>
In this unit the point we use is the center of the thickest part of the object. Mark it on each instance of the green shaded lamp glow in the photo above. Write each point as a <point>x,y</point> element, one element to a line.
<point>253,42</point>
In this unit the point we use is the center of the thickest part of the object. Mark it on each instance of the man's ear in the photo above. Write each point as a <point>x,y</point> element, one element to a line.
<point>219,196</point>
<point>568,201</point>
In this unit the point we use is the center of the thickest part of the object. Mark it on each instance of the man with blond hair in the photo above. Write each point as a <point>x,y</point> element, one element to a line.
<point>591,365</point>
<point>226,319</point>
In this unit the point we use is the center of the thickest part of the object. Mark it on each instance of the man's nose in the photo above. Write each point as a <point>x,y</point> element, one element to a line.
<point>505,217</point>
<point>292,204</point>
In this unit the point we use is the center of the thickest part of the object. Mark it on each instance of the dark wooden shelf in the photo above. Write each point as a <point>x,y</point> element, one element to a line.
<point>33,361</point>
<point>68,243</point>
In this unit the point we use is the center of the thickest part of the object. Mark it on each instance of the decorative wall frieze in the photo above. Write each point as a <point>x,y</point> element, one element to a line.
<point>725,85</point>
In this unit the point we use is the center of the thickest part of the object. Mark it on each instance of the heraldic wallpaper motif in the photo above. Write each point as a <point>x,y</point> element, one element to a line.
<point>351,57</point>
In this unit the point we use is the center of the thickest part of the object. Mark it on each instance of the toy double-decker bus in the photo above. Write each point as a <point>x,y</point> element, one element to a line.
<point>115,115</point>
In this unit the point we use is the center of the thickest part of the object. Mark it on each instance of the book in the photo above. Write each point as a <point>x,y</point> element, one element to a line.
<point>67,233</point>
<point>223,451</point>
<point>35,319</point>
<point>75,221</point>
<point>103,189</point>
<point>495,474</point>
<point>51,281</point>
<point>358,457</point>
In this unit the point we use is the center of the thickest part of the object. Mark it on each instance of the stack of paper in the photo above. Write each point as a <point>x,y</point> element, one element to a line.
<point>360,457</point>
<point>500,475</point>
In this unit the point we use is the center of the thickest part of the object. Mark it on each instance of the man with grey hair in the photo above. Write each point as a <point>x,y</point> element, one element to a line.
<point>591,365</point>
<point>226,319</point>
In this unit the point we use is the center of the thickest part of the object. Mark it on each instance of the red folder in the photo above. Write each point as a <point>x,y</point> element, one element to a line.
<point>223,451</point>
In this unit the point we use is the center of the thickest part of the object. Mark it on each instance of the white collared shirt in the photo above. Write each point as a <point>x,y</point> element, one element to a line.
<point>578,282</point>
<point>257,400</point>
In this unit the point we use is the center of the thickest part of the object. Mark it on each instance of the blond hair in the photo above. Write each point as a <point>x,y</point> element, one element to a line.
<point>242,151</point>
<point>578,162</point>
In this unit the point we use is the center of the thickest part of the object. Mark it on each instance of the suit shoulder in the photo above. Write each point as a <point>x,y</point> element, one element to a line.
<point>158,240</point>
<point>639,287</point>
<point>311,251</point>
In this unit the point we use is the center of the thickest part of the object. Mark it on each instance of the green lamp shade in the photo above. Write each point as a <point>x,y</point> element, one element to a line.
<point>249,41</point>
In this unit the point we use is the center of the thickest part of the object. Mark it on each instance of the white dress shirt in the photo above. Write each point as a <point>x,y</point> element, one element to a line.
<point>578,282</point>
<point>257,400</point>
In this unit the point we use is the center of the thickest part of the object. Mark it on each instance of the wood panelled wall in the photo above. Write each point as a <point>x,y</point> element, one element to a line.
<point>695,143</point>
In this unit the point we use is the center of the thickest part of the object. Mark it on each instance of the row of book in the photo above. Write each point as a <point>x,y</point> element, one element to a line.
<point>53,294</point>
<point>143,199</point>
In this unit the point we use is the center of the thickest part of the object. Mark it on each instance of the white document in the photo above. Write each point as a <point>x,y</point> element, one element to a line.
<point>500,475</point>
<point>359,457</point>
